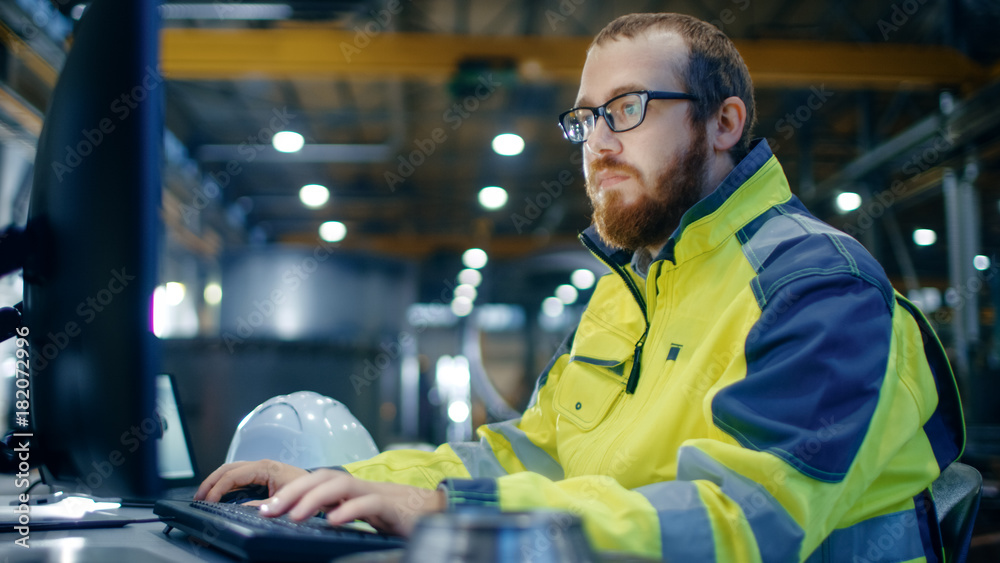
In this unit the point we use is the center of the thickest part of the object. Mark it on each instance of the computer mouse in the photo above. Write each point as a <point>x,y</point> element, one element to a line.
<point>246,493</point>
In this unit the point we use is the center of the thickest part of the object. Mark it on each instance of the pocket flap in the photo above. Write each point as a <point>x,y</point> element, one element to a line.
<point>586,393</point>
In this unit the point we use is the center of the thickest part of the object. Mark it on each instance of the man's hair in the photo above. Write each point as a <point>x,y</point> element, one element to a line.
<point>715,69</point>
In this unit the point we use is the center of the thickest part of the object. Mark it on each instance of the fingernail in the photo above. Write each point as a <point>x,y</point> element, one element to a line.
<point>266,507</point>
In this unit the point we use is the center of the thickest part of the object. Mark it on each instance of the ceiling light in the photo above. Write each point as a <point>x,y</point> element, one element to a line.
<point>492,197</point>
<point>981,262</point>
<point>466,291</point>
<point>508,144</point>
<point>848,201</point>
<point>288,141</point>
<point>332,231</point>
<point>174,293</point>
<point>471,277</point>
<point>461,306</point>
<point>474,258</point>
<point>567,294</point>
<point>314,195</point>
<point>552,307</point>
<point>213,294</point>
<point>583,278</point>
<point>225,11</point>
<point>924,237</point>
<point>458,411</point>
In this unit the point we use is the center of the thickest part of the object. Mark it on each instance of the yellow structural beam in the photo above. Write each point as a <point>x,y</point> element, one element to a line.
<point>23,52</point>
<point>234,54</point>
<point>23,114</point>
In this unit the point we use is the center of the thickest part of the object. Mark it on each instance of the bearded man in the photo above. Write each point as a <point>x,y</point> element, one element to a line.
<point>745,384</point>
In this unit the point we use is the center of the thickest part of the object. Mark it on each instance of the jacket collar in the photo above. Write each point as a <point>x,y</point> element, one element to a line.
<point>700,224</point>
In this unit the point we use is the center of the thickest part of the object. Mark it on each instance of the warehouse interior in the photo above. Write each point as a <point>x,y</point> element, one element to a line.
<point>343,266</point>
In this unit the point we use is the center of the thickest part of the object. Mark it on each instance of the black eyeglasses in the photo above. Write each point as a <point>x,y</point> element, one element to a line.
<point>621,113</point>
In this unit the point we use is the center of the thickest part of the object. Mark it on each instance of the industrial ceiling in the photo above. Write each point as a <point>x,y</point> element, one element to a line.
<point>399,100</point>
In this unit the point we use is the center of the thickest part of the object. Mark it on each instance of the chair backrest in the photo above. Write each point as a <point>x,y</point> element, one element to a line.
<point>956,498</point>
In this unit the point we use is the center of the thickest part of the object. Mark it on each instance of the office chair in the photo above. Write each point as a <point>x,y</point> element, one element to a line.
<point>956,497</point>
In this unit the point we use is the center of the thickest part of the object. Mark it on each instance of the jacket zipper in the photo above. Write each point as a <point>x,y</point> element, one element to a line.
<point>633,377</point>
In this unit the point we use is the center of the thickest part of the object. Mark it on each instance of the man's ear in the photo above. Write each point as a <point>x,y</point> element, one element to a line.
<point>727,127</point>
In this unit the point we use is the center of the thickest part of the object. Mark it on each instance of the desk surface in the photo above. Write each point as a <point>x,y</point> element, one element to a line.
<point>134,542</point>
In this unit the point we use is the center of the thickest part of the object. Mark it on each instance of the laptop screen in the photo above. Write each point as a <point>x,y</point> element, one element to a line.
<point>173,451</point>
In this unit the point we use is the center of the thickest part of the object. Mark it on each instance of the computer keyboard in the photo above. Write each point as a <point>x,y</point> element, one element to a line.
<point>239,530</point>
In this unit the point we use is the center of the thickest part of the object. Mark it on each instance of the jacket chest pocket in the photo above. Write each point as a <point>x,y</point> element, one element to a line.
<point>586,394</point>
<point>594,380</point>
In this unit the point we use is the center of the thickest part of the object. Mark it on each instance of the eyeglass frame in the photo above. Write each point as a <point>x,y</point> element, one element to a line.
<point>600,111</point>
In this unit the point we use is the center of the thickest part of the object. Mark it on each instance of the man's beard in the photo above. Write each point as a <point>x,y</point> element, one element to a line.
<point>655,214</point>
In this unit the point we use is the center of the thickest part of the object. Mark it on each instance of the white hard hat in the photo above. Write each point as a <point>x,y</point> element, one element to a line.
<point>304,429</point>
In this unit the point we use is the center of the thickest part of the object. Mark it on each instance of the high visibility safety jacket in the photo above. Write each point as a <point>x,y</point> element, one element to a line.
<point>763,394</point>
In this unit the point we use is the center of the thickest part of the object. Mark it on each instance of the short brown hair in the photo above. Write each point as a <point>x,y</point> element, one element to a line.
<point>715,69</point>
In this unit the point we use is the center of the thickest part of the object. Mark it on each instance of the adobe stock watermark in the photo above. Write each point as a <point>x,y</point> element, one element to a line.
<point>376,26</point>
<point>87,311</point>
<point>250,147</point>
<point>727,16</point>
<point>43,15</point>
<point>794,120</point>
<point>373,369</point>
<point>762,499</point>
<point>120,108</point>
<point>865,217</point>
<point>417,497</point>
<point>958,297</point>
<point>899,15</point>
<point>200,199</point>
<point>552,190</point>
<point>697,389</point>
<point>566,9</point>
<point>454,116</point>
<point>248,150</point>
<point>291,279</point>
<point>130,440</point>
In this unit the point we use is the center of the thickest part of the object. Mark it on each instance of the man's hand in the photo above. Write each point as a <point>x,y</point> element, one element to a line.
<point>390,508</point>
<point>241,473</point>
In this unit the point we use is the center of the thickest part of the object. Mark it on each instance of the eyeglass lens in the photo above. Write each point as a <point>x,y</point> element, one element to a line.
<point>621,114</point>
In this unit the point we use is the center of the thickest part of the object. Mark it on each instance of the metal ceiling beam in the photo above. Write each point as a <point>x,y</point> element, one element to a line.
<point>228,54</point>
<point>411,246</point>
<point>965,122</point>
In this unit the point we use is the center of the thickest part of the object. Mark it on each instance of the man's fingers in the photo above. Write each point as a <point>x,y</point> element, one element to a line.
<point>368,507</point>
<point>213,478</point>
<point>326,495</point>
<point>289,496</point>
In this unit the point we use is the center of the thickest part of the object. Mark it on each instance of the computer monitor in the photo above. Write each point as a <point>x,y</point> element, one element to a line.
<point>90,270</point>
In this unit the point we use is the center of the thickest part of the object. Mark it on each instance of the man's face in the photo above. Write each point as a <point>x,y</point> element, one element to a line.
<point>640,182</point>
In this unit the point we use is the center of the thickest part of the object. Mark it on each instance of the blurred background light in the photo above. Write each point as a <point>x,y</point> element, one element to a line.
<point>471,277</point>
<point>508,144</point>
<point>493,197</point>
<point>333,231</point>
<point>474,258</point>
<point>461,306</point>
<point>552,306</point>
<point>213,294</point>
<point>924,237</point>
<point>288,141</point>
<point>314,195</point>
<point>848,201</point>
<point>567,294</point>
<point>583,278</point>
